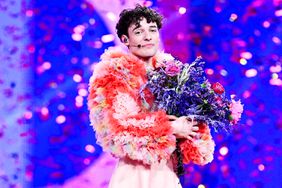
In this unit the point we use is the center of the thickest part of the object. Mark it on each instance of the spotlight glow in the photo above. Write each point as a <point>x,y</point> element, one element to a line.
<point>182,10</point>
<point>261,167</point>
<point>108,38</point>
<point>251,73</point>
<point>77,78</point>
<point>111,16</point>
<point>266,24</point>
<point>246,55</point>
<point>90,148</point>
<point>76,37</point>
<point>233,17</point>
<point>243,61</point>
<point>60,119</point>
<point>223,151</point>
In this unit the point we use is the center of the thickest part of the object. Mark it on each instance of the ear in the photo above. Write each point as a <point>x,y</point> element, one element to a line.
<point>125,40</point>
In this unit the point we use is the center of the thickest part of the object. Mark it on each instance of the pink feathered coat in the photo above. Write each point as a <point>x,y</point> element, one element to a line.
<point>142,139</point>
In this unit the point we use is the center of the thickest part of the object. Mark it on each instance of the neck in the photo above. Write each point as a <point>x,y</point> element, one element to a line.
<point>147,61</point>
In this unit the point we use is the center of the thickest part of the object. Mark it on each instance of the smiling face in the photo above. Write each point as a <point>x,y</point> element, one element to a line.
<point>143,39</point>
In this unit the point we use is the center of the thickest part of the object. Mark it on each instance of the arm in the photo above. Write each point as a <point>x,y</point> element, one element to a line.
<point>122,127</point>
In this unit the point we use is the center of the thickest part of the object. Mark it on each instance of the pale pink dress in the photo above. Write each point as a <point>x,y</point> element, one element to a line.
<point>133,174</point>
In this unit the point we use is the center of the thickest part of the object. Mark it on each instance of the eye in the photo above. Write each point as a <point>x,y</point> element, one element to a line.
<point>137,32</point>
<point>153,30</point>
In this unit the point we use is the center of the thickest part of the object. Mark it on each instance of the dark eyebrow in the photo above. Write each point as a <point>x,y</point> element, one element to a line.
<point>138,26</point>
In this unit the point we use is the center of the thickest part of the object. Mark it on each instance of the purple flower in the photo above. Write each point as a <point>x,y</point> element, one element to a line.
<point>183,90</point>
<point>172,69</point>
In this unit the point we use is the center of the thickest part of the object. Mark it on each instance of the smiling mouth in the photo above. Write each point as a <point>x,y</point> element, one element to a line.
<point>148,45</point>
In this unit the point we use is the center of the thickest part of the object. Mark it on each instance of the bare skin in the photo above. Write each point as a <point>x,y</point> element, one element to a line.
<point>183,127</point>
<point>147,36</point>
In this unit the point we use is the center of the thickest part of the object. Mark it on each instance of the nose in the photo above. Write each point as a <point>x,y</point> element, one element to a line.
<point>148,36</point>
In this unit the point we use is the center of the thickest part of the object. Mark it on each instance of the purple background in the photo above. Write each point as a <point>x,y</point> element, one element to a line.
<point>240,41</point>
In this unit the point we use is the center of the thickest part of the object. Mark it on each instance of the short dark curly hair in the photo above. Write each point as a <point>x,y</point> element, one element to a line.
<point>134,16</point>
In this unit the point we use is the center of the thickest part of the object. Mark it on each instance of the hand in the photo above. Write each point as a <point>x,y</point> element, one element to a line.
<point>184,128</point>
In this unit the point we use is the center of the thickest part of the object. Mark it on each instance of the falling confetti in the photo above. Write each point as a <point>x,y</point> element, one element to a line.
<point>239,40</point>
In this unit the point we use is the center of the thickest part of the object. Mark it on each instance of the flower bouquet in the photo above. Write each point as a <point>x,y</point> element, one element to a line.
<point>183,90</point>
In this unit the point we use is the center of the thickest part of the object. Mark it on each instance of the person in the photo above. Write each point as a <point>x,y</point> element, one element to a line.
<point>143,140</point>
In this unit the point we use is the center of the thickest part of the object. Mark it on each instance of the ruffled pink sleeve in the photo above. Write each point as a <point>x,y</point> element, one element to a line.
<point>200,150</point>
<point>122,126</point>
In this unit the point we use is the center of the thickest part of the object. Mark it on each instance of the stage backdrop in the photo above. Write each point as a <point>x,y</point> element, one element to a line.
<point>48,49</point>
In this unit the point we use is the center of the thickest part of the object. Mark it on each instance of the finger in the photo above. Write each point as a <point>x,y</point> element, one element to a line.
<point>171,117</point>
<point>193,134</point>
<point>193,121</point>
<point>190,117</point>
<point>195,128</point>
<point>193,124</point>
<point>183,118</point>
<point>190,138</point>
